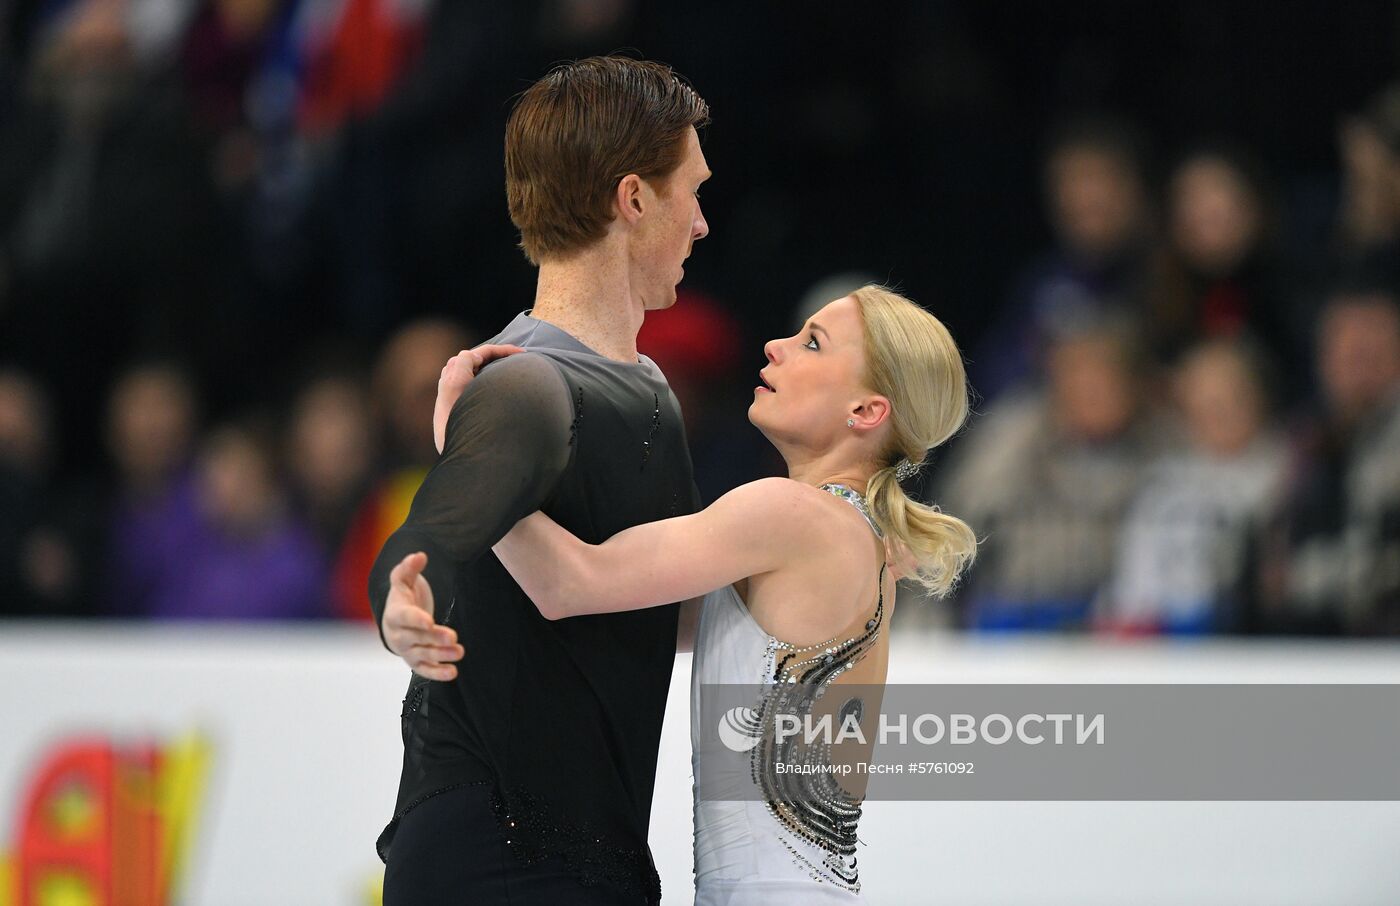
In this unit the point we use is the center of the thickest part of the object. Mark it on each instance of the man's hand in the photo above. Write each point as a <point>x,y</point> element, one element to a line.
<point>409,630</point>
<point>456,375</point>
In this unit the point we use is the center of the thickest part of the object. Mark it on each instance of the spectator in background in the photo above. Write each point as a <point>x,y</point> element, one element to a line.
<point>1218,276</point>
<point>1368,224</point>
<point>247,556</point>
<point>25,445</point>
<point>211,536</point>
<point>354,61</point>
<point>1331,561</point>
<point>1098,208</point>
<point>152,419</point>
<point>220,56</point>
<point>1184,544</point>
<point>1046,477</point>
<point>242,555</point>
<point>104,217</point>
<point>330,448</point>
<point>404,389</point>
<point>51,531</point>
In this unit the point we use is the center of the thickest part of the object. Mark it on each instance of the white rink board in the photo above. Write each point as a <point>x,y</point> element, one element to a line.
<point>304,726</point>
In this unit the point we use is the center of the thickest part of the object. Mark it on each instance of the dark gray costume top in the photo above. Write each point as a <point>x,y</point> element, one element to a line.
<point>562,718</point>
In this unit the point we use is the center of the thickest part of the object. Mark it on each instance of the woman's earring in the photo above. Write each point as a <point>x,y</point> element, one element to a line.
<point>850,423</point>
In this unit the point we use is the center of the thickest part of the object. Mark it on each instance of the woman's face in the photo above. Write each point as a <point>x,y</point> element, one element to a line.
<point>813,380</point>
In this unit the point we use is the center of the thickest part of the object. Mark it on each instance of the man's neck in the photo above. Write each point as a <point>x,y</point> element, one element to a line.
<point>589,295</point>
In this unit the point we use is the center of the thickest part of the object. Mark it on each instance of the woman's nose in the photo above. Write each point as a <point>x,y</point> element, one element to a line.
<point>770,349</point>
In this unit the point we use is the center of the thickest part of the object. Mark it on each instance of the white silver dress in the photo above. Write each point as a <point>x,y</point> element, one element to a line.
<point>785,849</point>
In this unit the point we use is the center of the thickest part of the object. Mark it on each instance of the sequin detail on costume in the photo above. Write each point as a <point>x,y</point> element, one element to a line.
<point>414,699</point>
<point>578,417</point>
<point>857,500</point>
<point>655,426</point>
<point>533,834</point>
<point>812,806</point>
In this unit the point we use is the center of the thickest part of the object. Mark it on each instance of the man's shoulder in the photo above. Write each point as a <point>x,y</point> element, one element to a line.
<point>529,372</point>
<point>525,390</point>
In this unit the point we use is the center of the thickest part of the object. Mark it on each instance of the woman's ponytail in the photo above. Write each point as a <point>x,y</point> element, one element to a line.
<point>934,546</point>
<point>911,358</point>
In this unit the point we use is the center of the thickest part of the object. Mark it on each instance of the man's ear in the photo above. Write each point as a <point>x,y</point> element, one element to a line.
<point>630,198</point>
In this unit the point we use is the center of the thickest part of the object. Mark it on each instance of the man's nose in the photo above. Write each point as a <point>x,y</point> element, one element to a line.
<point>702,228</point>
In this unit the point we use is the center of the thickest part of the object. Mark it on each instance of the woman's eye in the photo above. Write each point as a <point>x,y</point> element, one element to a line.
<point>812,343</point>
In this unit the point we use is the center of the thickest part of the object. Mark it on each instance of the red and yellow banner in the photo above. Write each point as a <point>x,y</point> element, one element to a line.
<point>103,824</point>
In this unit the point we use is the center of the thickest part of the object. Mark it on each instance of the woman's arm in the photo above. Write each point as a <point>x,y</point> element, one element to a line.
<point>754,529</point>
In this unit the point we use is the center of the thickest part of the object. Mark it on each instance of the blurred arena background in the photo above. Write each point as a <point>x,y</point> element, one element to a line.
<point>239,238</point>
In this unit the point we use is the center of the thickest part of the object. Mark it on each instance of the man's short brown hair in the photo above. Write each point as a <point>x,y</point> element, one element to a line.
<point>580,129</point>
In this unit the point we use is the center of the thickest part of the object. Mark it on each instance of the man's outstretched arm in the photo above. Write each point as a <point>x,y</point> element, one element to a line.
<point>507,444</point>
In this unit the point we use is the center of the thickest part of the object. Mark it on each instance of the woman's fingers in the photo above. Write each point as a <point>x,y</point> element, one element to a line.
<point>489,352</point>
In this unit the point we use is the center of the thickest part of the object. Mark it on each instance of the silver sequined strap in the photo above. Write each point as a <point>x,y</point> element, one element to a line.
<point>855,499</point>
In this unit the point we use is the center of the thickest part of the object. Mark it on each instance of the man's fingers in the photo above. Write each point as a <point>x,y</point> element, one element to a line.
<point>408,569</point>
<point>410,620</point>
<point>441,672</point>
<point>410,632</point>
<point>434,654</point>
<point>416,627</point>
<point>434,661</point>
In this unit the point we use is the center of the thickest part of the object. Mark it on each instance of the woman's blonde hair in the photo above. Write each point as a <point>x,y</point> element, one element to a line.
<point>911,359</point>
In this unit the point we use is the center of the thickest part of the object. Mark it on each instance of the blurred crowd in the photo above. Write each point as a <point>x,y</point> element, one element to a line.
<point>240,238</point>
<point>1185,430</point>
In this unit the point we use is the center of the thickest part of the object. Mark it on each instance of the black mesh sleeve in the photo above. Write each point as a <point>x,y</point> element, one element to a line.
<point>506,448</point>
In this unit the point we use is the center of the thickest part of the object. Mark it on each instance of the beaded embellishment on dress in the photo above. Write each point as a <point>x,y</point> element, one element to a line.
<point>857,500</point>
<point>813,807</point>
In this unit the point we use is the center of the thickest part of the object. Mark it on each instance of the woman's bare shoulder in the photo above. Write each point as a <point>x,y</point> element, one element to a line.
<point>818,533</point>
<point>797,512</point>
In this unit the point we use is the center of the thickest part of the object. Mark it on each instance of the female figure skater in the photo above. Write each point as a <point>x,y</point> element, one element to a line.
<point>852,403</point>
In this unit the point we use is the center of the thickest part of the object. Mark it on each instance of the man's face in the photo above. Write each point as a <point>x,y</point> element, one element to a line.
<point>1359,351</point>
<point>673,223</point>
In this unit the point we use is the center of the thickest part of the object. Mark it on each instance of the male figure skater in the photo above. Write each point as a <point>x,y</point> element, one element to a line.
<point>529,765</point>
